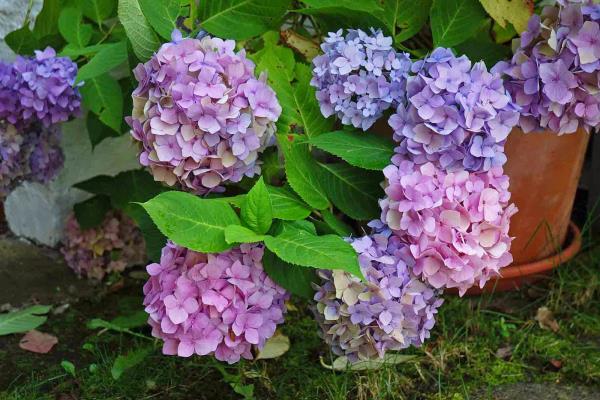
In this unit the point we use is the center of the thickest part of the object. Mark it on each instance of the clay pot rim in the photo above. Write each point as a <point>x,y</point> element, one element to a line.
<point>547,263</point>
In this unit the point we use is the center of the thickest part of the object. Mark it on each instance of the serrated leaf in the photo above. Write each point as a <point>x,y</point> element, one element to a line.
<point>72,28</point>
<point>102,95</point>
<point>281,226</point>
<point>516,12</point>
<point>287,205</point>
<point>22,41</point>
<point>73,51</point>
<point>98,10</point>
<point>192,222</point>
<point>303,173</point>
<point>106,59</point>
<point>23,320</point>
<point>311,119</point>
<point>454,21</point>
<point>256,211</point>
<point>162,15</point>
<point>338,227</point>
<point>360,149</point>
<point>91,212</point>
<point>296,280</point>
<point>241,234</point>
<point>407,17</point>
<point>128,361</point>
<point>335,14</point>
<point>296,246</point>
<point>354,191</point>
<point>241,19</point>
<point>143,39</point>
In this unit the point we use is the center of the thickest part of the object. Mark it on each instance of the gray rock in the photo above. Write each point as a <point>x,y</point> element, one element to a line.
<point>38,212</point>
<point>12,16</point>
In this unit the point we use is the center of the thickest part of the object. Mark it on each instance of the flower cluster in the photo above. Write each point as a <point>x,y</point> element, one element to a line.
<point>553,73</point>
<point>200,115</point>
<point>359,76</point>
<point>213,303</point>
<point>39,89</point>
<point>455,222</point>
<point>457,115</point>
<point>34,156</point>
<point>115,244</point>
<point>392,310</point>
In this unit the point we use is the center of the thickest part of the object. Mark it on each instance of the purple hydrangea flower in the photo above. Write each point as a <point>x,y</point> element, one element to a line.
<point>11,160</point>
<point>221,304</point>
<point>111,247</point>
<point>391,311</point>
<point>359,76</point>
<point>456,223</point>
<point>457,115</point>
<point>39,89</point>
<point>46,156</point>
<point>200,115</point>
<point>552,76</point>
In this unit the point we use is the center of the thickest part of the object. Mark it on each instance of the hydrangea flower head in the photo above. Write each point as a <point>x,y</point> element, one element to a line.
<point>392,310</point>
<point>93,253</point>
<point>43,89</point>
<point>456,223</point>
<point>553,73</point>
<point>11,160</point>
<point>200,116</point>
<point>359,76</point>
<point>457,114</point>
<point>221,304</point>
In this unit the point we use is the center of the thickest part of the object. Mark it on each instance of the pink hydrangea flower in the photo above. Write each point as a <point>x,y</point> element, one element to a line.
<point>111,247</point>
<point>200,116</point>
<point>455,222</point>
<point>221,304</point>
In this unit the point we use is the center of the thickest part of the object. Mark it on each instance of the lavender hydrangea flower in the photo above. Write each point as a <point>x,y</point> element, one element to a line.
<point>553,74</point>
<point>42,88</point>
<point>200,116</point>
<point>11,160</point>
<point>457,115</point>
<point>456,223</point>
<point>45,156</point>
<point>391,311</point>
<point>359,76</point>
<point>221,304</point>
<point>111,247</point>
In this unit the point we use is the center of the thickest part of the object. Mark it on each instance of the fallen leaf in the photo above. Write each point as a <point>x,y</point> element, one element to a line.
<point>504,352</point>
<point>342,363</point>
<point>305,46</point>
<point>276,346</point>
<point>517,12</point>
<point>557,364</point>
<point>60,309</point>
<point>38,342</point>
<point>545,319</point>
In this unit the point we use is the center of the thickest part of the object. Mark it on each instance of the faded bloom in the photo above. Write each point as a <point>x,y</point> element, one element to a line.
<point>11,160</point>
<point>200,115</point>
<point>39,89</point>
<point>457,114</point>
<point>553,74</point>
<point>456,223</point>
<point>359,76</point>
<point>111,247</point>
<point>221,304</point>
<point>391,311</point>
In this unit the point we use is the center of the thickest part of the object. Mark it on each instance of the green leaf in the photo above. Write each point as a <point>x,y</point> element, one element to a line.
<point>98,10</point>
<point>257,212</point>
<point>128,361</point>
<point>241,19</point>
<point>311,119</point>
<point>135,320</point>
<point>354,191</point>
<point>73,51</point>
<point>287,205</point>
<point>91,212</point>
<point>454,21</point>
<point>192,222</point>
<point>360,149</point>
<point>72,28</point>
<point>281,226</point>
<point>409,16</point>
<point>105,60</point>
<point>143,39</point>
<point>482,47</point>
<point>69,367</point>
<point>241,234</point>
<point>335,14</point>
<point>296,246</point>
<point>153,238</point>
<point>516,12</point>
<point>97,130</point>
<point>23,320</point>
<point>343,364</point>
<point>303,173</point>
<point>98,323</point>
<point>296,280</point>
<point>46,23</point>
<point>162,15</point>
<point>337,226</point>
<point>22,41</point>
<point>102,95</point>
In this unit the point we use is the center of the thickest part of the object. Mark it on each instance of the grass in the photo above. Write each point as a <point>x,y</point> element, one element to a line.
<point>460,362</point>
